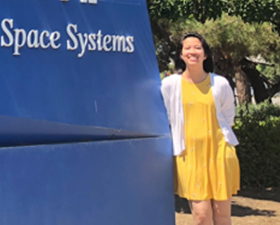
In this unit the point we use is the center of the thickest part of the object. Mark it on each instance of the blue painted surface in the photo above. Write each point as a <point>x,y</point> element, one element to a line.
<point>33,132</point>
<point>51,97</point>
<point>114,90</point>
<point>108,183</point>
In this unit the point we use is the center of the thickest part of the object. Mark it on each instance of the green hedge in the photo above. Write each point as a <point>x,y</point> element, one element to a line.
<point>258,130</point>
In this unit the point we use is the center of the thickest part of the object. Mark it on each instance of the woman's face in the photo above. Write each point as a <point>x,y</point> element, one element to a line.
<point>192,52</point>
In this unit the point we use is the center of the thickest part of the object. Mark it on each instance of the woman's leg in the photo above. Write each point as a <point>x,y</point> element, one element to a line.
<point>201,212</point>
<point>221,212</point>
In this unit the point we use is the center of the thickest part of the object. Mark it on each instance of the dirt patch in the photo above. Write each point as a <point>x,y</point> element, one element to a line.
<point>249,207</point>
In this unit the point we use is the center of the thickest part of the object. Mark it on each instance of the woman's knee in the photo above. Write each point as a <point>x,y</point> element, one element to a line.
<point>222,212</point>
<point>202,212</point>
<point>203,220</point>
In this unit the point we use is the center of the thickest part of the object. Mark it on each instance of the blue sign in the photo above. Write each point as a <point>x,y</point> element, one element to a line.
<point>108,183</point>
<point>84,133</point>
<point>73,67</point>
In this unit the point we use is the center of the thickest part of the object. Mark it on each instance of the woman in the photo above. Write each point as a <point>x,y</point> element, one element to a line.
<point>200,107</point>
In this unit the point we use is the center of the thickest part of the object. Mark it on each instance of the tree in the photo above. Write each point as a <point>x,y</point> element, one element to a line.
<point>257,11</point>
<point>232,41</point>
<point>167,14</point>
<point>163,13</point>
<point>175,9</point>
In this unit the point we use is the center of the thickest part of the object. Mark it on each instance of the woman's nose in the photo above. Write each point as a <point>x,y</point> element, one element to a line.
<point>191,53</point>
<point>192,50</point>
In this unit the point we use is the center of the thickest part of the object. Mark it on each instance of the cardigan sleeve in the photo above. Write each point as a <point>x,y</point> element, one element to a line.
<point>227,103</point>
<point>165,91</point>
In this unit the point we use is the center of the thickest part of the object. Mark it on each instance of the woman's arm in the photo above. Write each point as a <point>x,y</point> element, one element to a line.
<point>165,91</point>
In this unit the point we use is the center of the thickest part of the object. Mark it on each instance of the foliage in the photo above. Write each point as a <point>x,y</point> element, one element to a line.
<point>246,30</point>
<point>232,41</point>
<point>258,129</point>
<point>257,10</point>
<point>233,38</point>
<point>249,10</point>
<point>272,73</point>
<point>235,29</point>
<point>174,9</point>
<point>165,12</point>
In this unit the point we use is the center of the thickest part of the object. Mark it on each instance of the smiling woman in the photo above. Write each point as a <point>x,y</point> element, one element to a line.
<point>193,53</point>
<point>200,106</point>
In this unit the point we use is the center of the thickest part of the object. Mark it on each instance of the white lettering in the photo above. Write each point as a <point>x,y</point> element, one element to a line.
<point>99,43</point>
<point>92,45</point>
<point>107,40</point>
<point>118,41</point>
<point>35,43</point>
<point>46,34</point>
<point>7,32</point>
<point>83,43</point>
<point>130,47</point>
<point>53,38</point>
<point>20,35</point>
<point>72,36</point>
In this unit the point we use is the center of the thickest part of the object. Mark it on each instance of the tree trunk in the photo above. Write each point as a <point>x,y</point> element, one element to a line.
<point>242,86</point>
<point>224,68</point>
<point>260,92</point>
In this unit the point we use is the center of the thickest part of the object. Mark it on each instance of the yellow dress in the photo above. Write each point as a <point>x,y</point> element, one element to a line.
<point>209,167</point>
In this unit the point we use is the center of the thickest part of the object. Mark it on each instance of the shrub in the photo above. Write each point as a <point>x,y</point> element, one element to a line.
<point>258,129</point>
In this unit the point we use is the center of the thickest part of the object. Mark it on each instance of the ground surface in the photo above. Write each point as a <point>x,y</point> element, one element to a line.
<point>250,207</point>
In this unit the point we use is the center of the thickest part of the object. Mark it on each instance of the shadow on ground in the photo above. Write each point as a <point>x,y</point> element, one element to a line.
<point>241,211</point>
<point>182,205</point>
<point>270,194</point>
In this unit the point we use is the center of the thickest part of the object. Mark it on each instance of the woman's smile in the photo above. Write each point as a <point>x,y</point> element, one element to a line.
<point>192,52</point>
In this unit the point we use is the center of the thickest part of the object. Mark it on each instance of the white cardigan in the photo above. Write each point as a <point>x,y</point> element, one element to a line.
<point>224,102</point>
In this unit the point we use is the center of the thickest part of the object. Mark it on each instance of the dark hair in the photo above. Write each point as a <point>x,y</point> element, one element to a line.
<point>180,65</point>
